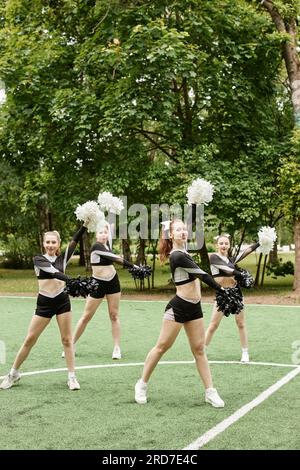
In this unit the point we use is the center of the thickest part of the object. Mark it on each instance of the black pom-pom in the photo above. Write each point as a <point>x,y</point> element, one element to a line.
<point>140,272</point>
<point>81,287</point>
<point>245,279</point>
<point>229,301</point>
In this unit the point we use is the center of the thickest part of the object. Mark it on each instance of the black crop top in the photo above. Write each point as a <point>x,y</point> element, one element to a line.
<point>221,266</point>
<point>101,255</point>
<point>47,268</point>
<point>185,270</point>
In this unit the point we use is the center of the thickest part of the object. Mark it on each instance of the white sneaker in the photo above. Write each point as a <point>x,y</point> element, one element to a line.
<point>140,392</point>
<point>245,357</point>
<point>116,354</point>
<point>212,397</point>
<point>73,384</point>
<point>9,380</point>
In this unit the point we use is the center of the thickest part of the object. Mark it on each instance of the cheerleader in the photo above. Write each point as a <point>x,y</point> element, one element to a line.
<point>52,300</point>
<point>183,310</point>
<point>225,270</point>
<point>103,270</point>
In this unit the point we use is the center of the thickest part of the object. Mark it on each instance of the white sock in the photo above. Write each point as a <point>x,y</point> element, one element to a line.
<point>142,382</point>
<point>244,349</point>
<point>71,375</point>
<point>13,371</point>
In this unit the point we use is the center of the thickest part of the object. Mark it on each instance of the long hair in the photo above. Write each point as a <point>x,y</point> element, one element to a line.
<point>56,234</point>
<point>165,242</point>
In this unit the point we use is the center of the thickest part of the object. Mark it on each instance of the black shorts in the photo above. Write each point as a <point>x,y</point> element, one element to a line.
<point>181,310</point>
<point>107,287</point>
<point>48,307</point>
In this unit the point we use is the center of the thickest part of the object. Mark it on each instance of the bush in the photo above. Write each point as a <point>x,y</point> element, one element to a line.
<point>18,253</point>
<point>280,269</point>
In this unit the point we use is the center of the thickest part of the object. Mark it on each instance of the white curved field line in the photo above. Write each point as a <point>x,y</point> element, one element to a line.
<point>162,363</point>
<point>223,425</point>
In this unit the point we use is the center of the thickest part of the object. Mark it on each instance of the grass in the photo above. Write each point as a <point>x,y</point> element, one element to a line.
<point>41,413</point>
<point>15,281</point>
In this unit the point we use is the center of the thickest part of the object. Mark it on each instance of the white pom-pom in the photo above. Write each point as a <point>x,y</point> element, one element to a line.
<point>266,238</point>
<point>200,192</point>
<point>110,203</point>
<point>91,215</point>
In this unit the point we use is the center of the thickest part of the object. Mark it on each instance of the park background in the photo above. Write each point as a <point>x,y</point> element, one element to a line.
<point>139,98</point>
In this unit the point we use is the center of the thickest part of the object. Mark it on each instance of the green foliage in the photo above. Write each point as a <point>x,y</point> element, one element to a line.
<point>140,98</point>
<point>18,252</point>
<point>280,269</point>
<point>288,8</point>
<point>290,178</point>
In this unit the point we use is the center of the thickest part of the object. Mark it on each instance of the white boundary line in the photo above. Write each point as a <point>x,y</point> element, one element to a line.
<point>133,364</point>
<point>147,301</point>
<point>223,425</point>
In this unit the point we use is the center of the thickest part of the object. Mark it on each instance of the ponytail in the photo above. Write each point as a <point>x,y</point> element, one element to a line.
<point>165,243</point>
<point>164,248</point>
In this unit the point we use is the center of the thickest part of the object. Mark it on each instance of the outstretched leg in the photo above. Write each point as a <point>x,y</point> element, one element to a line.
<point>241,324</point>
<point>90,308</point>
<point>113,303</point>
<point>36,327</point>
<point>168,334</point>
<point>196,334</point>
<point>64,322</point>
<point>213,325</point>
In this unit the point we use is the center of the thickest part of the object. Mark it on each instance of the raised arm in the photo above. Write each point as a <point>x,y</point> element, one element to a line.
<point>72,244</point>
<point>246,252</point>
<point>42,264</point>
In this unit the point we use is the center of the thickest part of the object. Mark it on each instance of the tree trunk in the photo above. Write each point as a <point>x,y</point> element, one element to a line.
<point>296,285</point>
<point>141,257</point>
<point>154,250</point>
<point>240,243</point>
<point>290,55</point>
<point>263,271</point>
<point>126,249</point>
<point>256,282</point>
<point>44,221</point>
<point>50,224</point>
<point>86,248</point>
<point>273,257</point>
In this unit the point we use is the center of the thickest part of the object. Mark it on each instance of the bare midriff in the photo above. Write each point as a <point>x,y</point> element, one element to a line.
<point>104,272</point>
<point>51,287</point>
<point>226,281</point>
<point>190,291</point>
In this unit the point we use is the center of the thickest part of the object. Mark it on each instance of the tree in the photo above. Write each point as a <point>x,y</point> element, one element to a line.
<point>284,16</point>
<point>139,98</point>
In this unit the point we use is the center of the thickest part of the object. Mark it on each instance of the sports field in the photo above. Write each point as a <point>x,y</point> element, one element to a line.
<point>41,413</point>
